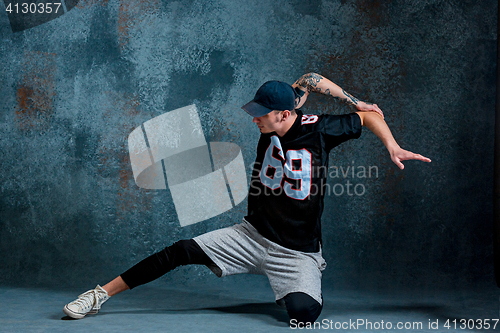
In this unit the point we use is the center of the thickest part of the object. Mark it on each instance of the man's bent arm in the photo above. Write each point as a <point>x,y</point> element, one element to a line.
<point>378,126</point>
<point>313,82</point>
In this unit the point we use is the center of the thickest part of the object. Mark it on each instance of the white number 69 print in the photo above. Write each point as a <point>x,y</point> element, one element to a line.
<point>297,167</point>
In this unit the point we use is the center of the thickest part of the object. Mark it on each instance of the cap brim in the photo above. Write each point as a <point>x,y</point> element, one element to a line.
<point>255,109</point>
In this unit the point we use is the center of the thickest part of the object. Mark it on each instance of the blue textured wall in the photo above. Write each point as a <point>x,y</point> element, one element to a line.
<point>72,89</point>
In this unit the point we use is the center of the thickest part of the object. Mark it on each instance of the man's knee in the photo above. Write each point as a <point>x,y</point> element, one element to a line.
<point>302,307</point>
<point>186,252</point>
<point>183,246</point>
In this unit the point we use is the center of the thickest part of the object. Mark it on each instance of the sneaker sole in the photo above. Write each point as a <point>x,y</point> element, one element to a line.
<point>72,314</point>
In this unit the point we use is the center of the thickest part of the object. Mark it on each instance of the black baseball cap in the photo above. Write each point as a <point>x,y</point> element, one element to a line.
<point>272,95</point>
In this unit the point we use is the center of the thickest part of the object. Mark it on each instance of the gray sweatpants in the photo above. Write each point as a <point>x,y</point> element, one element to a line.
<point>241,249</point>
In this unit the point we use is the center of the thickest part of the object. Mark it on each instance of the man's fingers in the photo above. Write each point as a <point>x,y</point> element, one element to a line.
<point>397,161</point>
<point>421,158</point>
<point>378,110</point>
<point>407,155</point>
<point>366,107</point>
<point>413,156</point>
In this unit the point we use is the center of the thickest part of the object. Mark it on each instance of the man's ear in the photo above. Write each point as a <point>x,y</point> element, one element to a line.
<point>285,114</point>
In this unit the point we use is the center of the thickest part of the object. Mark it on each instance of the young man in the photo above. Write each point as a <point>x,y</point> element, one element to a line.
<point>281,235</point>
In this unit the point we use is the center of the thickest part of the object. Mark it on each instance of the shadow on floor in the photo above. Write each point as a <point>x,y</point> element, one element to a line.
<point>269,312</point>
<point>445,306</point>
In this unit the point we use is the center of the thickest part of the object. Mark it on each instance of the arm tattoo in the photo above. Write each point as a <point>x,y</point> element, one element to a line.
<point>310,82</point>
<point>300,94</point>
<point>350,98</point>
<point>345,100</point>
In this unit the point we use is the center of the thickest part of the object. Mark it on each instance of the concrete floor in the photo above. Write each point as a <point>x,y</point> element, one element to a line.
<point>235,308</point>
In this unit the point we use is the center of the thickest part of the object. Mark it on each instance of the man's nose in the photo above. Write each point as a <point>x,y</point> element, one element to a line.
<point>255,119</point>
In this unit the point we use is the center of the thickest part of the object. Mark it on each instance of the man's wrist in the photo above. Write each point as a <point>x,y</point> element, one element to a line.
<point>392,147</point>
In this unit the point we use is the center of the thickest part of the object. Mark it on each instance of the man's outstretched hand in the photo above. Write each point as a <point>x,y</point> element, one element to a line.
<point>399,155</point>
<point>378,126</point>
<point>367,107</point>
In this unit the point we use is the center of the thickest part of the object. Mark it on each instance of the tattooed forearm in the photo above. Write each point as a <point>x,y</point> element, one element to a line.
<point>350,98</point>
<point>313,82</point>
<point>310,82</point>
<point>299,92</point>
<point>340,99</point>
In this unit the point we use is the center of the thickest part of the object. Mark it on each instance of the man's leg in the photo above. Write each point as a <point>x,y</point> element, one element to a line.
<point>116,286</point>
<point>302,308</point>
<point>183,252</point>
<point>296,281</point>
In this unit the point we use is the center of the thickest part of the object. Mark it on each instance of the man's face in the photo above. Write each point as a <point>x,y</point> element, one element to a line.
<point>268,123</point>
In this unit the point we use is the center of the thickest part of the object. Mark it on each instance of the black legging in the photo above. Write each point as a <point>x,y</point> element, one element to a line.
<point>300,306</point>
<point>183,252</point>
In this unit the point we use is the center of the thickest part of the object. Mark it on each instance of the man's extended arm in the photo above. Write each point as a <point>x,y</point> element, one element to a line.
<point>377,125</point>
<point>313,82</point>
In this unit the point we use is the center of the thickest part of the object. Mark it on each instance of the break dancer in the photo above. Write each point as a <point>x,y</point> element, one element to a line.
<point>281,235</point>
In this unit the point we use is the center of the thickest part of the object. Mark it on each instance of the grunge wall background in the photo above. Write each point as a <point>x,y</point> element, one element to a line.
<point>72,89</point>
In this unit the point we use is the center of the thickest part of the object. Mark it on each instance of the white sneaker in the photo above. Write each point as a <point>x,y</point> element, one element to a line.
<point>87,303</point>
